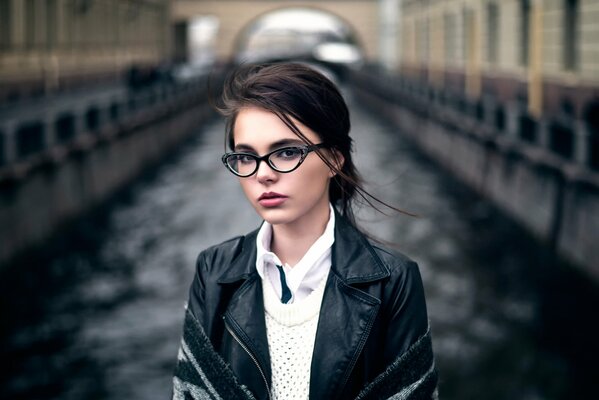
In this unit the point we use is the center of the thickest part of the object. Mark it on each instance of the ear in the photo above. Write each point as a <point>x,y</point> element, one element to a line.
<point>337,159</point>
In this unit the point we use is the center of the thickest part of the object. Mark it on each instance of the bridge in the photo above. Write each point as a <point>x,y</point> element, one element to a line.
<point>235,19</point>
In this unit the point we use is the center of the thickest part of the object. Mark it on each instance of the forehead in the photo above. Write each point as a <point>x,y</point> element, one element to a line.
<point>259,128</point>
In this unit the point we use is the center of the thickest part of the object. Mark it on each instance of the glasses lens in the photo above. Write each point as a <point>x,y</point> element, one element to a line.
<point>286,159</point>
<point>243,164</point>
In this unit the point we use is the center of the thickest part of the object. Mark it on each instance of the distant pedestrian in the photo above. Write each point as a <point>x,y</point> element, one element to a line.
<point>306,306</point>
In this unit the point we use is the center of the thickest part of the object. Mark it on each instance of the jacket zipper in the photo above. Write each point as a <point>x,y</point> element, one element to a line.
<point>247,350</point>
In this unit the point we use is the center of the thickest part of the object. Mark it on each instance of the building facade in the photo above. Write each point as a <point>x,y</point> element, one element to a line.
<point>543,52</point>
<point>51,44</point>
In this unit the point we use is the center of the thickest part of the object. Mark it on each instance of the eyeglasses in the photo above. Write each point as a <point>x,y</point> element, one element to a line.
<point>285,159</point>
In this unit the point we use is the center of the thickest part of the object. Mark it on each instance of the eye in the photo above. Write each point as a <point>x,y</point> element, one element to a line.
<point>288,153</point>
<point>243,158</point>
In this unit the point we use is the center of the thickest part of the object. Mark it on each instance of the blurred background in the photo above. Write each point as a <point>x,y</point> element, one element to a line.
<point>479,116</point>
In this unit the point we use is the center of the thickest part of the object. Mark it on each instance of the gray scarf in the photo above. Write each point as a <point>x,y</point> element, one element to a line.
<point>201,373</point>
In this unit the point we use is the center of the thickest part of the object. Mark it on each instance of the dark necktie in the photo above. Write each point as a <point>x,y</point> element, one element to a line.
<point>285,292</point>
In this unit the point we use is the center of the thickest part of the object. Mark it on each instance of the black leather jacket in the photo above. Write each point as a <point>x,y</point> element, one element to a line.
<point>373,309</point>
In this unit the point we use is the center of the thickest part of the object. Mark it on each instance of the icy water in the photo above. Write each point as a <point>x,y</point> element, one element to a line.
<point>98,313</point>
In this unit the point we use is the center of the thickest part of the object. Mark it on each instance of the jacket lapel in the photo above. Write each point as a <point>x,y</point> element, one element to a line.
<point>245,316</point>
<point>347,313</point>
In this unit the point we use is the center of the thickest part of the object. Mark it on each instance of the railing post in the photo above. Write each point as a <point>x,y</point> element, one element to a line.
<point>581,143</point>
<point>513,111</point>
<point>489,106</point>
<point>79,120</point>
<point>543,134</point>
<point>50,134</point>
<point>10,145</point>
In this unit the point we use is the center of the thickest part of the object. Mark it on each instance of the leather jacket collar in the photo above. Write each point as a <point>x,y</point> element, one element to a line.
<point>347,313</point>
<point>354,260</point>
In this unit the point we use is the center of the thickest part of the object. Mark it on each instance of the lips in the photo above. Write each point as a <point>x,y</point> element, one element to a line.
<point>271,199</point>
<point>271,195</point>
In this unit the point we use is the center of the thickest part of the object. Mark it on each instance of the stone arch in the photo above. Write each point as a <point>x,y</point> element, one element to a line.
<point>234,15</point>
<point>353,37</point>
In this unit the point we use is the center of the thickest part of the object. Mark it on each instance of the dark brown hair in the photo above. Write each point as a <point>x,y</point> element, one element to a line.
<point>295,91</point>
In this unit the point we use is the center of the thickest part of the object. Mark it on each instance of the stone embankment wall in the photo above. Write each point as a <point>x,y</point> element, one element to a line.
<point>488,148</point>
<point>54,169</point>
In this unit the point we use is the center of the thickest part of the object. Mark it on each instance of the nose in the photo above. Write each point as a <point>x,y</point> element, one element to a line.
<point>265,173</point>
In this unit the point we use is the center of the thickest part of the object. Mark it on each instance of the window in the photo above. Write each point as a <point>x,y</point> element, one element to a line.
<point>570,44</point>
<point>422,41</point>
<point>524,31</point>
<point>5,25</point>
<point>449,25</point>
<point>493,33</point>
<point>466,28</point>
<point>30,24</point>
<point>51,21</point>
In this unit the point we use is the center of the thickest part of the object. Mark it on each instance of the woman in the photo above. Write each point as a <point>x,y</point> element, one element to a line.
<point>306,306</point>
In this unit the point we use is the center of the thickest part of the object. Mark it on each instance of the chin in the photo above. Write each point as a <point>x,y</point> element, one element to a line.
<point>275,216</point>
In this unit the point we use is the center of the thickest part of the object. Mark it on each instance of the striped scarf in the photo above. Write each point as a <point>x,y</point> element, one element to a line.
<point>201,373</point>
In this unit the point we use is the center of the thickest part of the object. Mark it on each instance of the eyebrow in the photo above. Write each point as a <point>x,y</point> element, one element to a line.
<point>273,146</point>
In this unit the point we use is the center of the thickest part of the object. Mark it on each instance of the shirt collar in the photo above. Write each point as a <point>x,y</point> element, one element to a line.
<point>353,258</point>
<point>264,256</point>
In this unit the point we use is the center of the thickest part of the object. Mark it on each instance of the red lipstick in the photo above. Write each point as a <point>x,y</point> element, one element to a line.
<point>271,199</point>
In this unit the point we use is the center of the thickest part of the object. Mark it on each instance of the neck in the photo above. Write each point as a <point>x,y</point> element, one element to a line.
<point>291,241</point>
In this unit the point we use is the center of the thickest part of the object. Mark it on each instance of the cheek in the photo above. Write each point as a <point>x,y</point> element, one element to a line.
<point>245,186</point>
<point>316,177</point>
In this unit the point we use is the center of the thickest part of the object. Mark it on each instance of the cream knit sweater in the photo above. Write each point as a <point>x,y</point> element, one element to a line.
<point>291,330</point>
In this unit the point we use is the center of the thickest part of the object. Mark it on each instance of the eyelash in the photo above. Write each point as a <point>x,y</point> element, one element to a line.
<point>252,151</point>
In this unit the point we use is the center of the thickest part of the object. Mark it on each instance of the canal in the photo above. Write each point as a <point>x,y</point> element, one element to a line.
<point>97,313</point>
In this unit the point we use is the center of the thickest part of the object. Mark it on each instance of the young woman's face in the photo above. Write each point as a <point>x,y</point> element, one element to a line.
<point>300,196</point>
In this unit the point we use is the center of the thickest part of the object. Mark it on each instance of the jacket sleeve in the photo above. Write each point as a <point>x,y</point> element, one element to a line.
<point>204,292</point>
<point>407,318</point>
<point>197,291</point>
<point>408,355</point>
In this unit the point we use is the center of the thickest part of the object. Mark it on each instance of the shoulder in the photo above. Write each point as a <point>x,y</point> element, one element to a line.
<point>404,279</point>
<point>395,261</point>
<point>403,298</point>
<point>221,252</point>
<point>404,288</point>
<point>224,258</point>
<point>357,257</point>
<point>404,272</point>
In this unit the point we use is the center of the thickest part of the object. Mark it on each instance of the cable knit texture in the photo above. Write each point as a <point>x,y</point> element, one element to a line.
<point>291,330</point>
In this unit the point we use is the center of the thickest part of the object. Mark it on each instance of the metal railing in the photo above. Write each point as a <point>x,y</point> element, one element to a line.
<point>562,138</point>
<point>43,134</point>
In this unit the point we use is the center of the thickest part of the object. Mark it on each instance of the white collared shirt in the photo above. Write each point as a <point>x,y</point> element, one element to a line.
<point>307,274</point>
